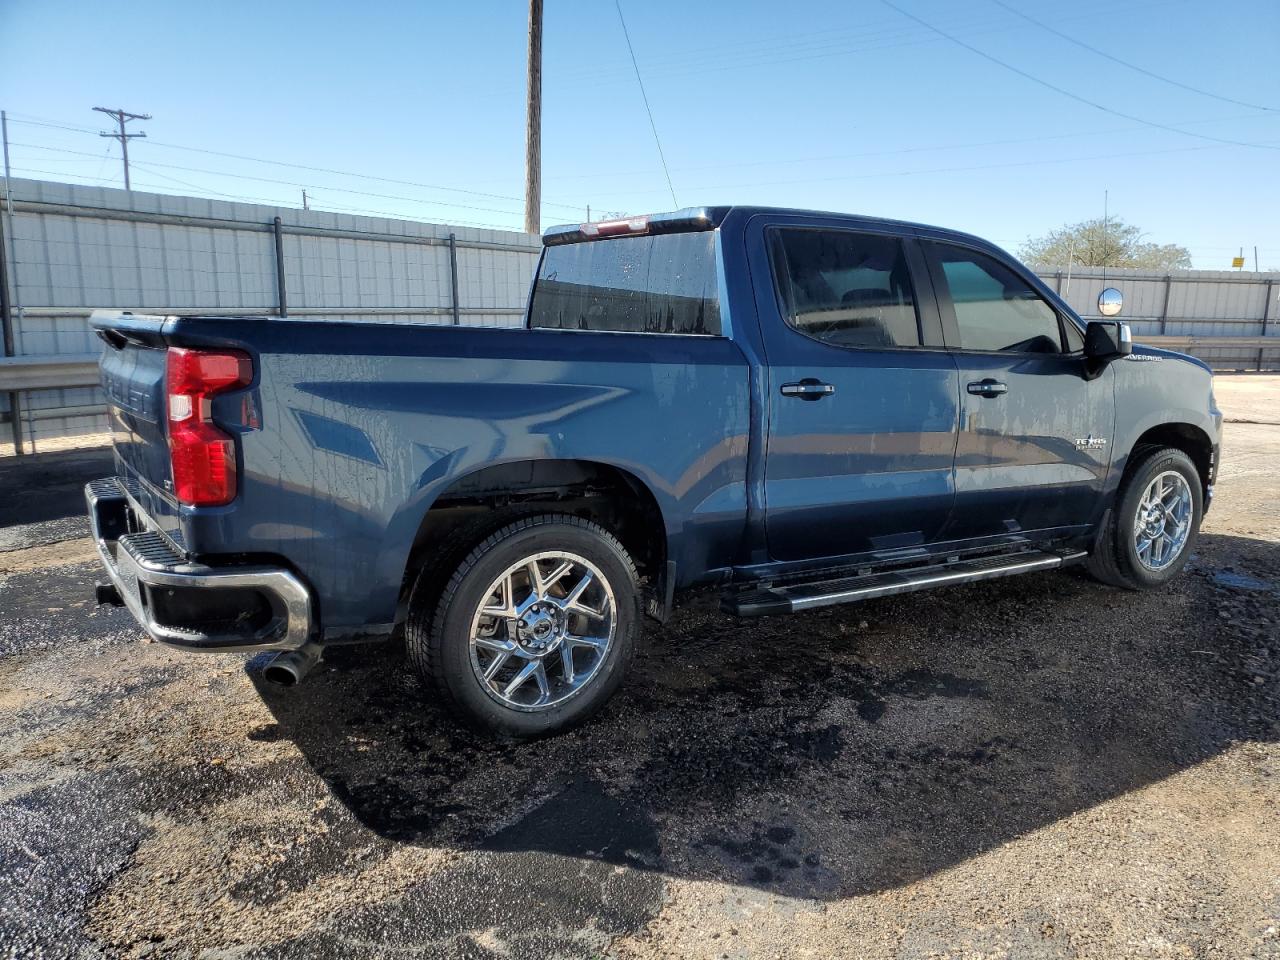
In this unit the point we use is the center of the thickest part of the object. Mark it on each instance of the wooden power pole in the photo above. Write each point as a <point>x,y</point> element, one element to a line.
<point>533,125</point>
<point>121,117</point>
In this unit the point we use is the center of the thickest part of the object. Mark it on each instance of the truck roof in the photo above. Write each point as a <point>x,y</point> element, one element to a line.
<point>709,218</point>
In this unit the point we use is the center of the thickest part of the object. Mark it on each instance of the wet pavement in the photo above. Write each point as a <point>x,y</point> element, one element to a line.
<point>1032,767</point>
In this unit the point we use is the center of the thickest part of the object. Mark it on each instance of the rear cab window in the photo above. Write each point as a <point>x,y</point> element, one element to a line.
<point>663,283</point>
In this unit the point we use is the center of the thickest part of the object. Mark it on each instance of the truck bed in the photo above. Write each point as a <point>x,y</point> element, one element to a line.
<point>350,431</point>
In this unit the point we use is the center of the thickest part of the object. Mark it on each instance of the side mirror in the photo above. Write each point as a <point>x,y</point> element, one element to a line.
<point>1110,302</point>
<point>1106,340</point>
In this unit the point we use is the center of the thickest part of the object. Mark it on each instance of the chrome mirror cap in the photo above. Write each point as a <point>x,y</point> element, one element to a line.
<point>1110,302</point>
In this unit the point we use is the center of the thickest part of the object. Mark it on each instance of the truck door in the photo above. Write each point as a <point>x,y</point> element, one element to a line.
<point>1034,443</point>
<point>861,396</point>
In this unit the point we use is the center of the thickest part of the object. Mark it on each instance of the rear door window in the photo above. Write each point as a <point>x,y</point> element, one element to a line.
<point>845,288</point>
<point>665,283</point>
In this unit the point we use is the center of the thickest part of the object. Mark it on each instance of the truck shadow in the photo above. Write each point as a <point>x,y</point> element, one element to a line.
<point>825,755</point>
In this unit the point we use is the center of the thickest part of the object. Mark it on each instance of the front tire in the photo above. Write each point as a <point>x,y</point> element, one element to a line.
<point>1149,534</point>
<point>534,630</point>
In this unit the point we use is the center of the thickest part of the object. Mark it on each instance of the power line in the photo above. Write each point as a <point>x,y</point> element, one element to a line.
<point>767,183</point>
<point>653,126</point>
<point>1067,93</point>
<point>286,183</point>
<point>829,45</point>
<point>736,186</point>
<point>971,168</point>
<point>41,122</point>
<point>122,117</point>
<point>897,151</point>
<point>98,176</point>
<point>1125,63</point>
<point>362,176</point>
<point>269,201</point>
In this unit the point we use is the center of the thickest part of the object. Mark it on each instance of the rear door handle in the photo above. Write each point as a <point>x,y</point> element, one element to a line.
<point>808,389</point>
<point>988,388</point>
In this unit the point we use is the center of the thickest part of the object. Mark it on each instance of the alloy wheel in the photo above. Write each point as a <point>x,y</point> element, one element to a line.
<point>543,630</point>
<point>1163,521</point>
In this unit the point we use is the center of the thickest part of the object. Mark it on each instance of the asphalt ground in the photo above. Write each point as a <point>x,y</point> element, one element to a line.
<point>1034,767</point>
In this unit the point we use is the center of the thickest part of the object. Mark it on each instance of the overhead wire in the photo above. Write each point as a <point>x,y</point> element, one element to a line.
<point>648,109</point>
<point>927,148</point>
<point>41,122</point>
<point>288,183</point>
<point>709,58</point>
<point>268,201</point>
<point>970,168</point>
<point>1067,93</point>
<point>1125,63</point>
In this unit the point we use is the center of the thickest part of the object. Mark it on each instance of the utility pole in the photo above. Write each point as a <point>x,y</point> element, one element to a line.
<point>7,306</point>
<point>304,201</point>
<point>122,117</point>
<point>533,125</point>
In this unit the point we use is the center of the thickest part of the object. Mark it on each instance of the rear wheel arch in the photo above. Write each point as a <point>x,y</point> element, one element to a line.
<point>528,654</point>
<point>476,504</point>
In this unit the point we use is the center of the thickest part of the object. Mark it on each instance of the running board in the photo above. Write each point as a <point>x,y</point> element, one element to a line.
<point>793,597</point>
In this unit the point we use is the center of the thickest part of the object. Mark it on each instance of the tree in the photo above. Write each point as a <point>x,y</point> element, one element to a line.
<point>1088,244</point>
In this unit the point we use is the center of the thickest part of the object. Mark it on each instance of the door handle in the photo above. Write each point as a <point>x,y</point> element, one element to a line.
<point>988,388</point>
<point>808,389</point>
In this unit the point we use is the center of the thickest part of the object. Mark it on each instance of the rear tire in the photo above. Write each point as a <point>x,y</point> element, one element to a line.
<point>1148,535</point>
<point>535,628</point>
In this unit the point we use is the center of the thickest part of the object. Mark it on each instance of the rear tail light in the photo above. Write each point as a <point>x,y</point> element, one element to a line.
<point>203,457</point>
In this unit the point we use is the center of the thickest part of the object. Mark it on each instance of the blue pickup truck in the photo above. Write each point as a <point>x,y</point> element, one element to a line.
<point>804,408</point>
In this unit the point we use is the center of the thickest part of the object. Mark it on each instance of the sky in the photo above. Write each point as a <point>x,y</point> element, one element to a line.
<point>417,109</point>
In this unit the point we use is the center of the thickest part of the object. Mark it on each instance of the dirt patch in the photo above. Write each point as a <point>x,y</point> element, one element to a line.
<point>46,556</point>
<point>1035,767</point>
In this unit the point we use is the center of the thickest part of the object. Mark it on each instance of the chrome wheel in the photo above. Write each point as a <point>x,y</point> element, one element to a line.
<point>1163,521</point>
<point>543,630</point>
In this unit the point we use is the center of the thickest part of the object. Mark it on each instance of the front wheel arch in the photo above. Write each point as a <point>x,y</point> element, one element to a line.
<point>1188,438</point>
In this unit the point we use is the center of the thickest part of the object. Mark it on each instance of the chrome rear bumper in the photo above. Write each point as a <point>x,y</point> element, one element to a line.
<point>166,593</point>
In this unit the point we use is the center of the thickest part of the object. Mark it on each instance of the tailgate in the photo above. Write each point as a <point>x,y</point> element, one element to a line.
<point>133,368</point>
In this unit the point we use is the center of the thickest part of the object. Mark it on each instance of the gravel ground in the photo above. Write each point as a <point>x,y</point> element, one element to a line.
<point>1036,767</point>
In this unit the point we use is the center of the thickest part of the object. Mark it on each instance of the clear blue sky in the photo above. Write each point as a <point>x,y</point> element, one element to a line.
<point>847,106</point>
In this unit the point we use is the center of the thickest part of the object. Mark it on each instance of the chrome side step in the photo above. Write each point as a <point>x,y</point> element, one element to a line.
<point>793,597</point>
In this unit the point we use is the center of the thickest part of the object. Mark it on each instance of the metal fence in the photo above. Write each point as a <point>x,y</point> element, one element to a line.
<point>72,249</point>
<point>1231,319</point>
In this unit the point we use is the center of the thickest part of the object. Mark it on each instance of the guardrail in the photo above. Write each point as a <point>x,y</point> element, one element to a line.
<point>1182,343</point>
<point>1226,353</point>
<point>48,373</point>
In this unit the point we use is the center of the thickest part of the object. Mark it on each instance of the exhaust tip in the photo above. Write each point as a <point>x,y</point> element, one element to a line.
<point>281,676</point>
<point>290,668</point>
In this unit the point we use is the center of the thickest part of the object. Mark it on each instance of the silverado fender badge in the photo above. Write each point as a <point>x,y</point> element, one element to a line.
<point>1090,441</point>
<point>1143,358</point>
